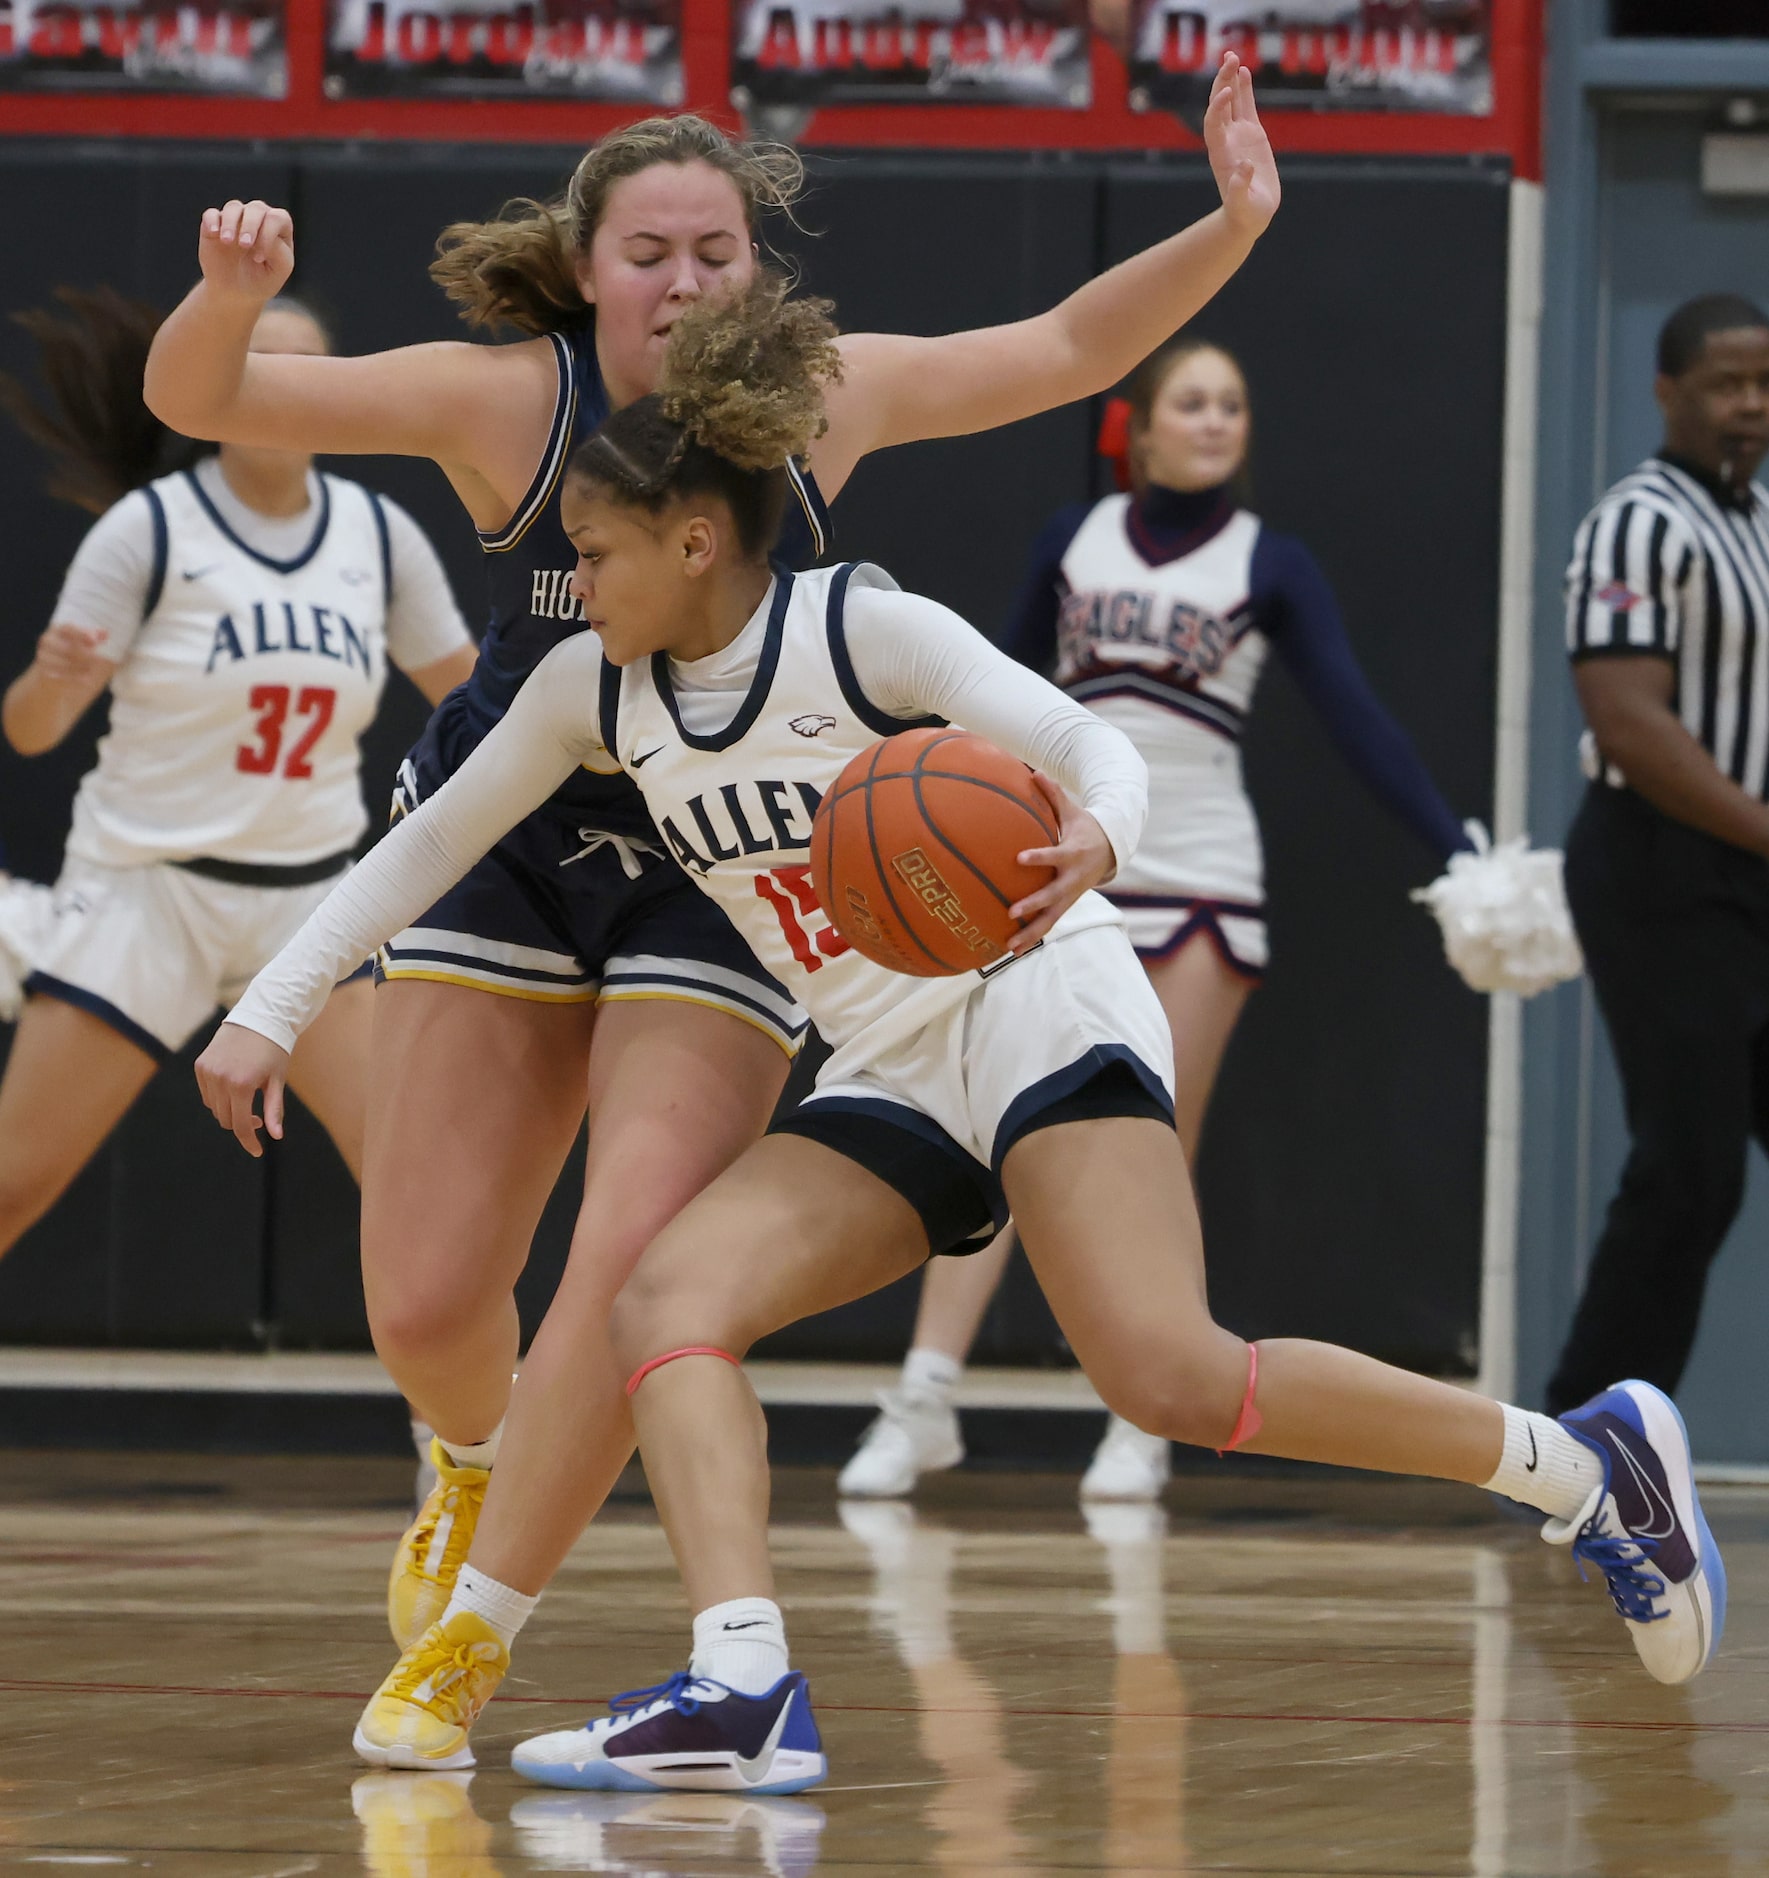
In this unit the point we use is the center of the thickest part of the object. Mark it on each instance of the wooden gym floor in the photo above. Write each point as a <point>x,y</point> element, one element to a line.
<point>1278,1675</point>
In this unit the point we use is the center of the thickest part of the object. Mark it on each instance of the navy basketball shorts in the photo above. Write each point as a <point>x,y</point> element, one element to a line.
<point>1071,1032</point>
<point>557,913</point>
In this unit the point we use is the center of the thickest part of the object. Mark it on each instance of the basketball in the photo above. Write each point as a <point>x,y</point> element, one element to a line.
<point>915,851</point>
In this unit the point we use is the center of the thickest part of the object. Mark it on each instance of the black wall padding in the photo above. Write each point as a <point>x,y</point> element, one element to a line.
<point>1342,1166</point>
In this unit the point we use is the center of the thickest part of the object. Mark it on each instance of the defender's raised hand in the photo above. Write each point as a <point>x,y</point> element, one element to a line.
<point>247,249</point>
<point>1246,172</point>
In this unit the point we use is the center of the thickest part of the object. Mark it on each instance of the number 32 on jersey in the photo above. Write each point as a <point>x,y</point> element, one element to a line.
<point>314,703</point>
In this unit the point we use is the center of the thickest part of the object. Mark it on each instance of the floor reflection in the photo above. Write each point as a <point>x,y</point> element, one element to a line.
<point>1273,1675</point>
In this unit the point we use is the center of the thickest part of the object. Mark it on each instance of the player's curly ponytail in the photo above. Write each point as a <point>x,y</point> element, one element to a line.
<point>519,268</point>
<point>741,397</point>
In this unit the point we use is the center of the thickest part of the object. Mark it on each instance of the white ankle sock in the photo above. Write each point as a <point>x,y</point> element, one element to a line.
<point>1543,1465</point>
<point>930,1372</point>
<point>474,1453</point>
<point>504,1609</point>
<point>741,1643</point>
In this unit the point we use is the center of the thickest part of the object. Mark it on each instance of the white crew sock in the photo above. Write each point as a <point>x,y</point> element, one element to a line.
<point>930,1372</point>
<point>474,1453</point>
<point>741,1643</point>
<point>1543,1465</point>
<point>504,1609</point>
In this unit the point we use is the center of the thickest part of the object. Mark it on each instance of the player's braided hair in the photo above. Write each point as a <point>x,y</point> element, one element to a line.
<point>518,269</point>
<point>742,394</point>
<point>101,439</point>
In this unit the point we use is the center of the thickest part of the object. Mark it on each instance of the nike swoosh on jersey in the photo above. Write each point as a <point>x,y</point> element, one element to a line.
<point>646,758</point>
<point>196,573</point>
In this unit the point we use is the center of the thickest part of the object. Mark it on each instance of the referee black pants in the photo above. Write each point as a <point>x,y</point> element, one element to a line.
<point>1675,929</point>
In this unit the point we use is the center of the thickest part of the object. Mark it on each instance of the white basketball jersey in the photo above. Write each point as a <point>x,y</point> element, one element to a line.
<point>1160,648</point>
<point>735,807</point>
<point>237,710</point>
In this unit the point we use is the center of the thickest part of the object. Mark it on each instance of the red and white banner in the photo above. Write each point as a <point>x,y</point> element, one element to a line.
<point>813,52</point>
<point>223,47</point>
<point>1356,55</point>
<point>629,51</point>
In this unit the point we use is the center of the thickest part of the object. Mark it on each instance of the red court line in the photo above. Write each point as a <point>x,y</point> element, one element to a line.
<point>45,1686</point>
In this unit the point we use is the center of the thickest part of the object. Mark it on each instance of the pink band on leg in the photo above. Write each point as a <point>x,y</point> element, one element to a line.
<point>669,1356</point>
<point>1249,1422</point>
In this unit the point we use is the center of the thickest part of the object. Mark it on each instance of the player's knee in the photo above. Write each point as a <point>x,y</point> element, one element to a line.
<point>1193,1399</point>
<point>658,1311</point>
<point>415,1322</point>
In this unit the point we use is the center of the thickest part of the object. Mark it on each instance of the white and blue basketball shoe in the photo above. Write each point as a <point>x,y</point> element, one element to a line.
<point>687,1733</point>
<point>1643,1528</point>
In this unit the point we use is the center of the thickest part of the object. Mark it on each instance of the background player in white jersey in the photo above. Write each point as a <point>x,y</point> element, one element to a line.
<point>1047,1085</point>
<point>241,611</point>
<point>574,966</point>
<point>1157,608</point>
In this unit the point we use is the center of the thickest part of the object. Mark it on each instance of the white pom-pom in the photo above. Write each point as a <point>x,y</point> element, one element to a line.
<point>24,923</point>
<point>1504,916</point>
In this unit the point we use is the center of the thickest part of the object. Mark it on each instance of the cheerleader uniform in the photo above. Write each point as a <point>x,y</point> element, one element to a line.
<point>1158,611</point>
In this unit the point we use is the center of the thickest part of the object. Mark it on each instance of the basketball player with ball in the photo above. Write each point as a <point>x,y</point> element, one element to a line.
<point>748,704</point>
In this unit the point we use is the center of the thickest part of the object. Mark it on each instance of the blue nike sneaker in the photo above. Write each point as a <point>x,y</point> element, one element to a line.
<point>1643,1528</point>
<point>688,1732</point>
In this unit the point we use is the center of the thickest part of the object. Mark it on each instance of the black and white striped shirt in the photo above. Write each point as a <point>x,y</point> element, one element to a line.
<point>1663,566</point>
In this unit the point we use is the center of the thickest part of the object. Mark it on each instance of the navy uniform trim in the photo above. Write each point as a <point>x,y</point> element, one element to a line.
<point>245,547</point>
<point>845,676</point>
<point>810,498</point>
<point>41,985</point>
<point>1212,713</point>
<point>751,708</point>
<point>552,463</point>
<point>608,706</point>
<point>1029,1109</point>
<point>156,585</point>
<point>386,542</point>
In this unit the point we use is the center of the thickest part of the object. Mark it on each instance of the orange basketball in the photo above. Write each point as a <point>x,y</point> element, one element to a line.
<point>915,850</point>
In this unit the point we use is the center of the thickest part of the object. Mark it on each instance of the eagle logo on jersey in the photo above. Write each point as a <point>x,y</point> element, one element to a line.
<point>812,724</point>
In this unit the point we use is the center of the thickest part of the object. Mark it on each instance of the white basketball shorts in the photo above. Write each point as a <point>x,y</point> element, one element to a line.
<point>153,951</point>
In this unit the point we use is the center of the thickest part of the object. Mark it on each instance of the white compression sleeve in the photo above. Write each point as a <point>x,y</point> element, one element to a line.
<point>549,731</point>
<point>914,657</point>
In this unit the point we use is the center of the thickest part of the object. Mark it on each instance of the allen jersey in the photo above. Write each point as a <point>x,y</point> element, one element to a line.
<point>237,709</point>
<point>529,563</point>
<point>1178,638</point>
<point>735,805</point>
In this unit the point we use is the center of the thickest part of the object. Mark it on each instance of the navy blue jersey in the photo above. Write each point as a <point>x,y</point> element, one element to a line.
<point>529,564</point>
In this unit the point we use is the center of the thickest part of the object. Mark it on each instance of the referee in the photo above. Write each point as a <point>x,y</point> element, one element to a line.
<point>1666,869</point>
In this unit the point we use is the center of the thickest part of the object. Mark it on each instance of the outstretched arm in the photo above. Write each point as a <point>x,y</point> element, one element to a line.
<point>899,390</point>
<point>438,400</point>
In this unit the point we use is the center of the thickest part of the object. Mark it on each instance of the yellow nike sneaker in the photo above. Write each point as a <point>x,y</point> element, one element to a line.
<point>434,1548</point>
<point>420,1716</point>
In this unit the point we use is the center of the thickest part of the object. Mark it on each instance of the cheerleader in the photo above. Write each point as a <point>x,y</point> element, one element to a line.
<point>1047,1086</point>
<point>1157,609</point>
<point>241,608</point>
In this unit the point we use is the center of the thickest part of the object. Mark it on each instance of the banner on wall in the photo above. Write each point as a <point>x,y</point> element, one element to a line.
<point>807,53</point>
<point>627,51</point>
<point>1353,55</point>
<point>225,48</point>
